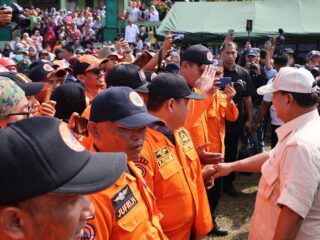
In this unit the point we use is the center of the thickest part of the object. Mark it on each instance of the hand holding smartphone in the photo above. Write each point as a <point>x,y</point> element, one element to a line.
<point>224,81</point>
<point>81,125</point>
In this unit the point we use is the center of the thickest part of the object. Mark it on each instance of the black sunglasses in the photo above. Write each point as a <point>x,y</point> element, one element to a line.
<point>96,70</point>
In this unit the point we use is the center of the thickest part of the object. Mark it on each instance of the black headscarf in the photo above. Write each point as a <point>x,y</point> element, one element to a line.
<point>70,97</point>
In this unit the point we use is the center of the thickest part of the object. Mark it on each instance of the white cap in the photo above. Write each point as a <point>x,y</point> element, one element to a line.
<point>290,79</point>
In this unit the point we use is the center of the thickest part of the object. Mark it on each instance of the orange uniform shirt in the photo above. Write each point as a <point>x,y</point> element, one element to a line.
<point>174,175</point>
<point>199,131</point>
<point>126,210</point>
<point>219,111</point>
<point>196,119</point>
<point>89,97</point>
<point>196,108</point>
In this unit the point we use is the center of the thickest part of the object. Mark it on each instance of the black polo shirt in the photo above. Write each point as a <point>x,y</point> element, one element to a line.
<point>236,74</point>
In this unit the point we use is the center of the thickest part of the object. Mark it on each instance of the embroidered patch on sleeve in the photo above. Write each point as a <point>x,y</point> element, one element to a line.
<point>89,232</point>
<point>185,139</point>
<point>163,156</point>
<point>123,202</point>
<point>142,168</point>
<point>141,160</point>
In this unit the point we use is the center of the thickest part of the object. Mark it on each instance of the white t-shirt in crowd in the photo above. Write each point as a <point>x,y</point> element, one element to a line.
<point>131,32</point>
<point>273,114</point>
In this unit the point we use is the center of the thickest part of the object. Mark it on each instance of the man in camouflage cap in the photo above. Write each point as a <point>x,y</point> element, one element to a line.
<point>14,105</point>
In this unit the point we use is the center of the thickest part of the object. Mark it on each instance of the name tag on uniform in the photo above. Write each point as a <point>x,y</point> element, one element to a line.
<point>123,202</point>
<point>163,156</point>
<point>187,143</point>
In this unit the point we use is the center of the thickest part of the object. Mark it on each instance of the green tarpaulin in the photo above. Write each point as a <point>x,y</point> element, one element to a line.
<point>210,21</point>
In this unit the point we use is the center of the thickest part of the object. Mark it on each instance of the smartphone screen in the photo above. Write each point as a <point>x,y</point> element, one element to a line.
<point>143,59</point>
<point>224,82</point>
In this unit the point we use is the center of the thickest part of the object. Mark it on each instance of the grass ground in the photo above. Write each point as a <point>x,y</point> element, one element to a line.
<point>235,213</point>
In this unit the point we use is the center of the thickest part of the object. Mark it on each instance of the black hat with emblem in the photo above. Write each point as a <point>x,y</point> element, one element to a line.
<point>171,85</point>
<point>30,88</point>
<point>128,75</point>
<point>198,54</point>
<point>40,155</point>
<point>41,71</point>
<point>122,106</point>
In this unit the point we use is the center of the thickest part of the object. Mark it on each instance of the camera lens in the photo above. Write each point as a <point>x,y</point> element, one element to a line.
<point>18,17</point>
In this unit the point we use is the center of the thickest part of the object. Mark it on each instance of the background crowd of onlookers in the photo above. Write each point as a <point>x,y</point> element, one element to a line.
<point>139,11</point>
<point>53,30</point>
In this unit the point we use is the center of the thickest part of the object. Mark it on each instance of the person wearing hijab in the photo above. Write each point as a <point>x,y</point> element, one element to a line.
<point>50,37</point>
<point>153,14</point>
<point>70,98</point>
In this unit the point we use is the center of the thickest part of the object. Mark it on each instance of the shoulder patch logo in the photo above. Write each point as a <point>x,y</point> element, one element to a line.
<point>163,156</point>
<point>185,139</point>
<point>89,232</point>
<point>142,169</point>
<point>123,202</point>
<point>141,160</point>
<point>69,139</point>
<point>136,99</point>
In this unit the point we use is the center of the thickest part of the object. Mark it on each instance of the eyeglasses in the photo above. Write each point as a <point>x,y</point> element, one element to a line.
<point>27,114</point>
<point>96,70</point>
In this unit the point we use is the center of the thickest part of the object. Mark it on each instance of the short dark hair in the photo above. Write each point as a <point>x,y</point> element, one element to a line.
<point>281,59</point>
<point>155,104</point>
<point>189,62</point>
<point>69,49</point>
<point>304,99</point>
<point>228,44</point>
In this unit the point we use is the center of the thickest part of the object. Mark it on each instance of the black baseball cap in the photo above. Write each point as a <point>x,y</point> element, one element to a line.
<point>122,106</point>
<point>172,68</point>
<point>41,71</point>
<point>171,85</point>
<point>30,88</point>
<point>128,75</point>
<point>40,155</point>
<point>312,54</point>
<point>198,54</point>
<point>251,52</point>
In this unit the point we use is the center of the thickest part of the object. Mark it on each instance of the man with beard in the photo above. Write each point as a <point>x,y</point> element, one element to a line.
<point>89,72</point>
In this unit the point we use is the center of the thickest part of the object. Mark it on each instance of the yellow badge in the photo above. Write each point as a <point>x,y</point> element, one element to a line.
<point>185,140</point>
<point>136,99</point>
<point>23,78</point>
<point>163,156</point>
<point>69,139</point>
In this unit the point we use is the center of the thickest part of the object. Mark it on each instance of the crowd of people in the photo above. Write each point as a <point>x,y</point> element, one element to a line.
<point>116,143</point>
<point>139,12</point>
<point>53,32</point>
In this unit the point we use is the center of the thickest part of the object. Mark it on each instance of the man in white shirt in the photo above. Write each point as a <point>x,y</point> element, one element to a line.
<point>131,31</point>
<point>280,61</point>
<point>288,199</point>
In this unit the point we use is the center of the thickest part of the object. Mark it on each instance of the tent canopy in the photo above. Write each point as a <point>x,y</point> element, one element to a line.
<point>210,21</point>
